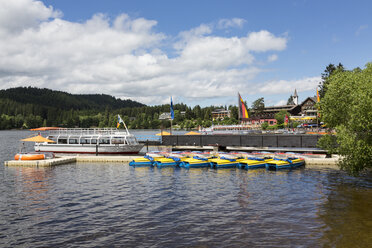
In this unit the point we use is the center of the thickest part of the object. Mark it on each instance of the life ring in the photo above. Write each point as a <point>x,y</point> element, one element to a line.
<point>29,156</point>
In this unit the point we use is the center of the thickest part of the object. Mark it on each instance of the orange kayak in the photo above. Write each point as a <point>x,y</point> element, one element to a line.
<point>29,156</point>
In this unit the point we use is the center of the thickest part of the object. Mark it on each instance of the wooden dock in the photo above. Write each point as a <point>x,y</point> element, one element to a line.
<point>41,163</point>
<point>313,163</point>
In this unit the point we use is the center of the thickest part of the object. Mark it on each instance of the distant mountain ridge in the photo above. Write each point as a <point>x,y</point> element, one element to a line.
<point>65,101</point>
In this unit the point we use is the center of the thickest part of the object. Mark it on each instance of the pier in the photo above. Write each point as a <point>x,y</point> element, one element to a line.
<point>70,159</point>
<point>41,163</point>
<point>314,163</point>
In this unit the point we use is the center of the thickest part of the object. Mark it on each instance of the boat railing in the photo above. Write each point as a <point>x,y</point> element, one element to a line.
<point>87,131</point>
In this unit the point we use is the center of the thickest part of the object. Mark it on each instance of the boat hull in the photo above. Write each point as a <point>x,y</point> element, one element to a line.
<point>252,163</point>
<point>222,163</point>
<point>200,164</point>
<point>274,165</point>
<point>89,149</point>
<point>248,166</point>
<point>164,164</point>
<point>141,162</point>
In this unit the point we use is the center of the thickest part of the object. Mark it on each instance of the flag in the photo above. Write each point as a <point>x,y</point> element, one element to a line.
<point>286,120</point>
<point>171,109</point>
<point>317,99</point>
<point>317,95</point>
<point>119,121</point>
<point>243,111</point>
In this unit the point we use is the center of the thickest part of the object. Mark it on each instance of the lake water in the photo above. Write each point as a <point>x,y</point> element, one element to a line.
<point>94,205</point>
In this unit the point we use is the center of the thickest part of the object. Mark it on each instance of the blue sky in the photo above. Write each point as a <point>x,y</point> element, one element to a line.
<point>200,52</point>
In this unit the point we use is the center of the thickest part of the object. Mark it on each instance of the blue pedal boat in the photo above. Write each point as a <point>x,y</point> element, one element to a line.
<point>145,161</point>
<point>195,162</point>
<point>288,163</point>
<point>165,162</point>
<point>253,163</point>
<point>223,162</point>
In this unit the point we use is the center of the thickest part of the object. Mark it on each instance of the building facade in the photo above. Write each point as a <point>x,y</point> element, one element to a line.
<point>220,114</point>
<point>303,112</point>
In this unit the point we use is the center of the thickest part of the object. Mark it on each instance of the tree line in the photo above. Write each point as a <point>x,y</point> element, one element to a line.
<point>29,107</point>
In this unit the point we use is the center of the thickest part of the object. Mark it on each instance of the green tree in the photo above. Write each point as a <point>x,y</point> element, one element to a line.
<point>290,100</point>
<point>347,107</point>
<point>259,105</point>
<point>280,116</point>
<point>264,125</point>
<point>330,69</point>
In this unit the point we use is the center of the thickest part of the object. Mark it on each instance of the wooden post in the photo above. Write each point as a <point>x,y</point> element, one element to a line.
<point>171,127</point>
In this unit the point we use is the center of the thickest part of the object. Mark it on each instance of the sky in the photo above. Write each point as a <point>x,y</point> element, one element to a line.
<point>199,52</point>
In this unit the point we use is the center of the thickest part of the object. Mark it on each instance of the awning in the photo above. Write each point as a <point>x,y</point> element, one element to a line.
<point>163,133</point>
<point>38,139</point>
<point>192,133</point>
<point>309,118</point>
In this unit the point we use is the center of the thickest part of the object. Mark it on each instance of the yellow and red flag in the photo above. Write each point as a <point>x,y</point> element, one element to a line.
<point>243,111</point>
<point>317,95</point>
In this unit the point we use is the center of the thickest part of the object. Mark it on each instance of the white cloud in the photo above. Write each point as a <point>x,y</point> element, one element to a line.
<point>16,16</point>
<point>281,103</point>
<point>230,23</point>
<point>272,58</point>
<point>287,86</point>
<point>263,41</point>
<point>124,57</point>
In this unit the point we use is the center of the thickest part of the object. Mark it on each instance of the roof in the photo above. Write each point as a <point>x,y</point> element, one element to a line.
<point>221,111</point>
<point>277,108</point>
<point>312,98</point>
<point>295,93</point>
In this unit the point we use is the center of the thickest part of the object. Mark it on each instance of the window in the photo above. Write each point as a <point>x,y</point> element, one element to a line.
<point>62,141</point>
<point>104,140</point>
<point>84,140</point>
<point>117,140</point>
<point>131,140</point>
<point>73,141</point>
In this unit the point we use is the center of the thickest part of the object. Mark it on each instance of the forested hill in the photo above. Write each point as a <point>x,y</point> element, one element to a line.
<point>33,107</point>
<point>65,101</point>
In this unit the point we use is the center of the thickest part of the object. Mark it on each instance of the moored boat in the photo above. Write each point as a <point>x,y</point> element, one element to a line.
<point>141,162</point>
<point>165,162</point>
<point>90,141</point>
<point>288,163</point>
<point>223,162</point>
<point>148,160</point>
<point>253,162</point>
<point>195,162</point>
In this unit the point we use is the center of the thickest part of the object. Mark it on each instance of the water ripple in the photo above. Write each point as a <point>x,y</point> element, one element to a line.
<point>90,205</point>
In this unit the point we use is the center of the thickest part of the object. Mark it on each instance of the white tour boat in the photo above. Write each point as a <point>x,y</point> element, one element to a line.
<point>90,140</point>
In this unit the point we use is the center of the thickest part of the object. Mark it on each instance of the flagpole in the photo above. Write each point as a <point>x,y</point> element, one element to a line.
<point>171,115</point>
